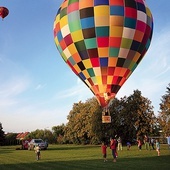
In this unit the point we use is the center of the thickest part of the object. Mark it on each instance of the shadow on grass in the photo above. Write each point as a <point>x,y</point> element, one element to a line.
<point>148,163</point>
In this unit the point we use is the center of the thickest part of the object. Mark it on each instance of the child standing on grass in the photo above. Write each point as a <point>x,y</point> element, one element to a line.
<point>158,147</point>
<point>37,152</point>
<point>104,151</point>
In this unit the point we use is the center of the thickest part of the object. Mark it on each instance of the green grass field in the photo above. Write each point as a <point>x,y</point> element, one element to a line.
<point>75,157</point>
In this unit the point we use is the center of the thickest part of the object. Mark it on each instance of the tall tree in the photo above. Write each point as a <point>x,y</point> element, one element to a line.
<point>2,135</point>
<point>141,112</point>
<point>81,120</point>
<point>164,114</point>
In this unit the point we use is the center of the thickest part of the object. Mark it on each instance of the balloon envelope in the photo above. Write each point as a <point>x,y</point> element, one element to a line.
<point>103,41</point>
<point>3,12</point>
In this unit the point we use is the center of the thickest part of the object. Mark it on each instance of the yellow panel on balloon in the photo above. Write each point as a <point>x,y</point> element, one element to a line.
<point>72,49</point>
<point>148,12</point>
<point>76,67</point>
<point>109,79</point>
<point>102,88</point>
<point>77,35</point>
<point>102,21</point>
<point>86,74</point>
<point>101,11</point>
<point>116,31</point>
<point>63,21</point>
<point>87,63</point>
<point>56,41</point>
<point>99,80</point>
<point>103,52</point>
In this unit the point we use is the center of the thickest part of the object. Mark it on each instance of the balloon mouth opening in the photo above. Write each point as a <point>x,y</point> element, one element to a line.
<point>104,99</point>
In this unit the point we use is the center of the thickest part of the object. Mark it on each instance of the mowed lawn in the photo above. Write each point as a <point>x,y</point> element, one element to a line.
<point>83,157</point>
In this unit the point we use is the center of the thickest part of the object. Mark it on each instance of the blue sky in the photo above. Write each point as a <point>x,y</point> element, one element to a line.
<point>37,89</point>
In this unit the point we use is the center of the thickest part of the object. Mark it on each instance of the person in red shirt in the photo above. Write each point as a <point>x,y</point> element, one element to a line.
<point>113,145</point>
<point>139,144</point>
<point>104,151</point>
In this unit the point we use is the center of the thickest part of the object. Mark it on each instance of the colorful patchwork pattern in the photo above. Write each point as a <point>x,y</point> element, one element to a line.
<point>103,41</point>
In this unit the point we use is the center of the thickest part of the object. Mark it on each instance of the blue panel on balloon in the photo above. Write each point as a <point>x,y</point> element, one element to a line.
<point>59,36</point>
<point>87,22</point>
<point>81,75</point>
<point>117,10</point>
<point>141,7</point>
<point>103,62</point>
<point>101,2</point>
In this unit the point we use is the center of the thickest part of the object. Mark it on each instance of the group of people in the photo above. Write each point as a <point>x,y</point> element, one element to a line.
<point>116,144</point>
<point>113,146</point>
<point>149,143</point>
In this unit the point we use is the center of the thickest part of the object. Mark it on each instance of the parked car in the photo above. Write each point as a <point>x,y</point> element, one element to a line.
<point>35,142</point>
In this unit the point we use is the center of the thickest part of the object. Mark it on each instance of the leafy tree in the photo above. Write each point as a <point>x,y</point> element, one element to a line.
<point>41,134</point>
<point>79,127</point>
<point>164,114</point>
<point>2,135</point>
<point>131,117</point>
<point>142,118</point>
<point>10,139</point>
<point>58,133</point>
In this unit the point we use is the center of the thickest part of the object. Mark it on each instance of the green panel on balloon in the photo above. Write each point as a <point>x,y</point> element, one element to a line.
<point>90,43</point>
<point>113,52</point>
<point>74,25</point>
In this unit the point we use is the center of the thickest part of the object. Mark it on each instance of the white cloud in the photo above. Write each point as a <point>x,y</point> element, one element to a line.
<point>40,86</point>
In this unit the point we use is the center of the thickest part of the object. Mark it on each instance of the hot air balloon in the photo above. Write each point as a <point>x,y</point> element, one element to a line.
<point>3,12</point>
<point>103,41</point>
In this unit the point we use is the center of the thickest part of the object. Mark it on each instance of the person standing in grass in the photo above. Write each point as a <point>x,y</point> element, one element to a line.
<point>119,140</point>
<point>146,139</point>
<point>113,145</point>
<point>152,143</point>
<point>158,147</point>
<point>139,144</point>
<point>168,140</point>
<point>104,151</point>
<point>37,152</point>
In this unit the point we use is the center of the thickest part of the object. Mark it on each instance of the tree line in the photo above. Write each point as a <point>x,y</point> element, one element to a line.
<point>131,117</point>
